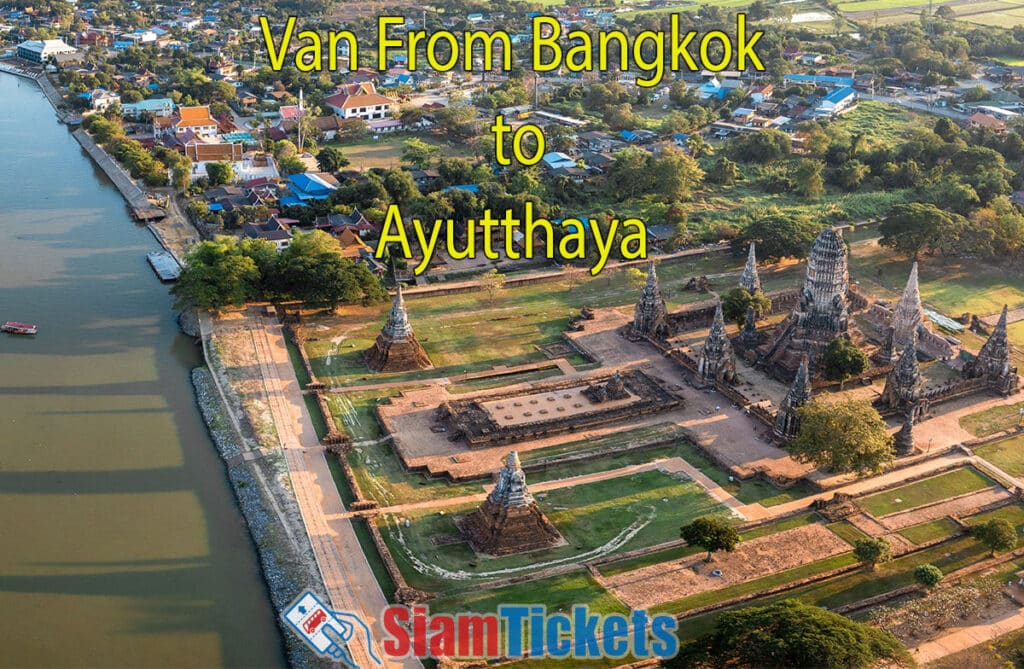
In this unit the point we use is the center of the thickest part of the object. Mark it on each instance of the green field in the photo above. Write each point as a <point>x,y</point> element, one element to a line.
<point>951,484</point>
<point>952,287</point>
<point>1001,13</point>
<point>748,492</point>
<point>468,332</point>
<point>1007,454</point>
<point>589,517</point>
<point>1012,512</point>
<point>993,420</point>
<point>925,532</point>
<point>387,151</point>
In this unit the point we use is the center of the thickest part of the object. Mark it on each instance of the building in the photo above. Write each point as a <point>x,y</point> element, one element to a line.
<point>717,362</point>
<point>360,101</point>
<point>194,120</point>
<point>836,102</point>
<point>987,121</point>
<point>42,51</point>
<point>153,107</point>
<point>100,99</point>
<point>275,230</point>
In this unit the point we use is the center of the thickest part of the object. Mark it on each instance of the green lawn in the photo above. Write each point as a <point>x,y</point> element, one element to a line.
<point>995,419</point>
<point>603,464</point>
<point>588,517</point>
<point>950,484</point>
<point>847,532</point>
<point>387,151</point>
<point>467,332</point>
<point>930,531</point>
<point>1007,454</point>
<point>1013,513</point>
<point>953,287</point>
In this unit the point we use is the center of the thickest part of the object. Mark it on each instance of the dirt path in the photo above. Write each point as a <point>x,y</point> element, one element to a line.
<point>966,637</point>
<point>347,575</point>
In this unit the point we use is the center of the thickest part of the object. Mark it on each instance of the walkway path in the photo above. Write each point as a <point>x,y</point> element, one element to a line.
<point>350,582</point>
<point>966,637</point>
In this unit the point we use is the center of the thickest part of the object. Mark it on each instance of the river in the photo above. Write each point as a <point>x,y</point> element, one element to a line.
<point>120,540</point>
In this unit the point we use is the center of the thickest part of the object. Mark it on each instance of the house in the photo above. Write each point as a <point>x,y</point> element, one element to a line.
<point>352,246</point>
<point>742,115</point>
<point>307,187</point>
<point>553,160</point>
<point>680,139</point>
<point>817,80</point>
<point>424,178</point>
<point>759,94</point>
<point>355,222</point>
<point>154,107</point>
<point>836,101</point>
<point>987,121</point>
<point>100,99</point>
<point>194,120</point>
<point>276,230</point>
<point>360,101</point>
<point>42,51</point>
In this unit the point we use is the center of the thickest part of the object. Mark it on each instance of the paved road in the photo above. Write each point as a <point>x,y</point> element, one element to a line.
<point>350,582</point>
<point>962,638</point>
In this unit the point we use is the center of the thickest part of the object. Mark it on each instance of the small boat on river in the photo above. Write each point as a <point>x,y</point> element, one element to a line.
<point>13,327</point>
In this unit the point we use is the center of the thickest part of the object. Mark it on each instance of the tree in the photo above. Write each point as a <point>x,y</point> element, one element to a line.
<point>873,552</point>
<point>676,174</point>
<point>491,281</point>
<point>573,276</point>
<point>911,228</point>
<point>712,534</point>
<point>807,179</point>
<point>636,278</point>
<point>790,635</point>
<point>331,159</point>
<point>724,172</point>
<point>313,270</point>
<point>927,575</point>
<point>843,360</point>
<point>219,173</point>
<point>844,437</point>
<point>417,152</point>
<point>779,235</point>
<point>997,534</point>
<point>736,301</point>
<point>215,275</point>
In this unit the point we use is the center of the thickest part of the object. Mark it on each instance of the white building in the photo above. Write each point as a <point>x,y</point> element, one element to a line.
<point>360,101</point>
<point>40,51</point>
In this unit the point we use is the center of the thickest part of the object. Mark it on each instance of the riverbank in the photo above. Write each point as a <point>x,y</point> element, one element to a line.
<point>288,563</point>
<point>169,225</point>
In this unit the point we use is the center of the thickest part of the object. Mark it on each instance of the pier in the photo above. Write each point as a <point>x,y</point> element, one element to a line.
<point>142,209</point>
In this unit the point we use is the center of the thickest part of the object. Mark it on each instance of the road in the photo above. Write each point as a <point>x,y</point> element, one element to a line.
<point>350,582</point>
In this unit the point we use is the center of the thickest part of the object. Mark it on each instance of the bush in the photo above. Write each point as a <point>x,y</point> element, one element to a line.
<point>927,575</point>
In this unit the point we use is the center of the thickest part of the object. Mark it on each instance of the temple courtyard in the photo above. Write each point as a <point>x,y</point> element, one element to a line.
<point>651,411</point>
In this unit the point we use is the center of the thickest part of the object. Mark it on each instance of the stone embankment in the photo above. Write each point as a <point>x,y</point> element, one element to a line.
<point>288,565</point>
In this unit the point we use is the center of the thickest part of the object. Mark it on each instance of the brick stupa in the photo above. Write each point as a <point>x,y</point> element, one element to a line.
<point>396,348</point>
<point>509,520</point>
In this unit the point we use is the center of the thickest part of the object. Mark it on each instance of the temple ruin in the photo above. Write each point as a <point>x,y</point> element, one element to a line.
<point>717,361</point>
<point>649,314</point>
<point>396,348</point>
<point>509,520</point>
<point>787,422</point>
<point>993,364</point>
<point>749,280</point>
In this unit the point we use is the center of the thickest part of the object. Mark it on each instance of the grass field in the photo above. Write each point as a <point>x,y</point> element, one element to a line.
<point>748,492</point>
<point>925,532</point>
<point>387,151</point>
<point>1001,13</point>
<point>1013,513</point>
<point>954,288</point>
<point>589,517</point>
<point>469,332</point>
<point>993,420</point>
<point>1007,454</point>
<point>951,484</point>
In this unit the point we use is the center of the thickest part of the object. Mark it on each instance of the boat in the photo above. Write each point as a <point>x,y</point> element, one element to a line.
<point>18,328</point>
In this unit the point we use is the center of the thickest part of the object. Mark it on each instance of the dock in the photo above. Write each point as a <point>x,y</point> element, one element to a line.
<point>142,209</point>
<point>164,264</point>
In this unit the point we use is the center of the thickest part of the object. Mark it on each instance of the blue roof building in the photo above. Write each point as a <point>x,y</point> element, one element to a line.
<point>818,80</point>
<point>309,187</point>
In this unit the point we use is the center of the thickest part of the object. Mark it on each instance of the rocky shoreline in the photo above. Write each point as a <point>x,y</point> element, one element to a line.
<point>286,569</point>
